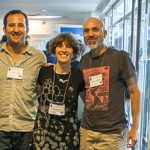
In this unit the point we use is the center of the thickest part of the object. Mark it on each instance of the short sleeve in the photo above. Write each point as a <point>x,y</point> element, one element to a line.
<point>127,68</point>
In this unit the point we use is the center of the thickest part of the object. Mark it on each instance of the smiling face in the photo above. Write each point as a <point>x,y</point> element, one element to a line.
<point>64,52</point>
<point>16,29</point>
<point>93,32</point>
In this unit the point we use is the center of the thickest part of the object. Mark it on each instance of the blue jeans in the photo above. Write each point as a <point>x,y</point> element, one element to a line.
<point>15,140</point>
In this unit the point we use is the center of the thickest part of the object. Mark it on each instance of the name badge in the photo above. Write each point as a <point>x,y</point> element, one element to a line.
<point>15,73</point>
<point>56,109</point>
<point>96,80</point>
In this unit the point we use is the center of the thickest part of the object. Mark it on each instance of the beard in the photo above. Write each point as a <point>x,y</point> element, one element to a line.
<point>95,46</point>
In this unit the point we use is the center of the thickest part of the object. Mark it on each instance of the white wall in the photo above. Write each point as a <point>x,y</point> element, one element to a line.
<point>1,28</point>
<point>37,27</point>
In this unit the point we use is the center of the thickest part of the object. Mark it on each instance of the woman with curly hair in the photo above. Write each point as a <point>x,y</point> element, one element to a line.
<point>59,85</point>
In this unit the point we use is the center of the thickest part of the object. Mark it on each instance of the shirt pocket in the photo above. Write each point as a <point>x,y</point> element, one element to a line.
<point>29,80</point>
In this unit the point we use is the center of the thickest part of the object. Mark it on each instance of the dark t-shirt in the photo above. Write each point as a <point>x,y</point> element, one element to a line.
<point>105,80</point>
<point>58,131</point>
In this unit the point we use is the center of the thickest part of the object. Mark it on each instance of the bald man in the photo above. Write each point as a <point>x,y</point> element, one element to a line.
<point>108,73</point>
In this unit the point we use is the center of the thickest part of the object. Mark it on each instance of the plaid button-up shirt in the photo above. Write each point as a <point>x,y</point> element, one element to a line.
<point>18,104</point>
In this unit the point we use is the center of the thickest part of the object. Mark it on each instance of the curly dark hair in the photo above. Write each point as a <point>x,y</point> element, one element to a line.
<point>67,37</point>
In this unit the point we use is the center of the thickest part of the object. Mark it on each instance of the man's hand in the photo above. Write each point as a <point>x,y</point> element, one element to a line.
<point>48,64</point>
<point>132,137</point>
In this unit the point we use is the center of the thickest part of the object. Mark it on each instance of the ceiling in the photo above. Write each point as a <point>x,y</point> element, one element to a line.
<point>73,11</point>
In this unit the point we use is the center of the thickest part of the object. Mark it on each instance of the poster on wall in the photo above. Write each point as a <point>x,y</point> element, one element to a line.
<point>77,31</point>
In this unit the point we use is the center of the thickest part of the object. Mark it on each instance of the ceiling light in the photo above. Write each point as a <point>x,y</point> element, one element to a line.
<point>44,10</point>
<point>43,17</point>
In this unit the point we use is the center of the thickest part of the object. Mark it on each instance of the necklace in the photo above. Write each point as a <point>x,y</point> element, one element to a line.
<point>102,59</point>
<point>60,80</point>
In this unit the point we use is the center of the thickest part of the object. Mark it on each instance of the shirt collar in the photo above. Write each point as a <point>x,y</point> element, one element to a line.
<point>29,49</point>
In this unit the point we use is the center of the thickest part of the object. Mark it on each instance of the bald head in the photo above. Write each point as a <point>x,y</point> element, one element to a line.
<point>94,32</point>
<point>93,20</point>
